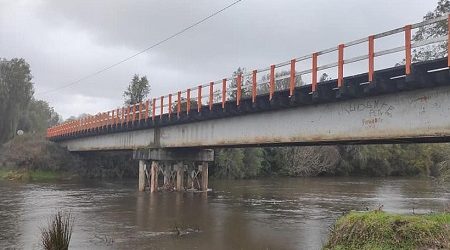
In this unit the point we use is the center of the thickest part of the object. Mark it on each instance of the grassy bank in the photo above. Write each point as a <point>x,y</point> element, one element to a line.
<point>30,175</point>
<point>380,230</point>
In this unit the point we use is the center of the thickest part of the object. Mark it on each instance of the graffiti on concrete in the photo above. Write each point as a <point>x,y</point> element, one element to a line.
<point>374,108</point>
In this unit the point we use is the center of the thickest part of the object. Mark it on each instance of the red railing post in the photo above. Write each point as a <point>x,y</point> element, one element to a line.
<point>371,57</point>
<point>162,107</point>
<point>239,89</point>
<point>147,111</point>
<point>314,72</point>
<point>224,92</point>
<point>188,103</point>
<point>340,65</point>
<point>179,104</point>
<point>122,120</point>
<point>211,95</point>
<point>113,117</point>
<point>254,85</point>
<point>129,116</point>
<point>153,108</point>
<point>134,113</point>
<point>199,99</point>
<point>170,105</point>
<point>292,78</point>
<point>272,82</point>
<point>408,49</point>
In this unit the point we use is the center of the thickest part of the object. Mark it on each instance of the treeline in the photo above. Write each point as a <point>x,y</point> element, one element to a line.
<point>343,160</point>
<point>19,110</point>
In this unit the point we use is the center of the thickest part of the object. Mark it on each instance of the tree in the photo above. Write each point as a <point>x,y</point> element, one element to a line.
<point>245,84</point>
<point>438,29</point>
<point>229,163</point>
<point>16,91</point>
<point>280,84</point>
<point>38,117</point>
<point>137,90</point>
<point>308,161</point>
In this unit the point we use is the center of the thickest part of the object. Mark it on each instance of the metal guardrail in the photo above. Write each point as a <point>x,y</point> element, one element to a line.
<point>230,89</point>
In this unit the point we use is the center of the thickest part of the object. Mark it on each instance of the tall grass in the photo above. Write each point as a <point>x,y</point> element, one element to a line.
<point>380,230</point>
<point>57,235</point>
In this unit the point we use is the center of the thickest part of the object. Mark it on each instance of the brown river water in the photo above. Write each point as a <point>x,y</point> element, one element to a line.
<point>278,213</point>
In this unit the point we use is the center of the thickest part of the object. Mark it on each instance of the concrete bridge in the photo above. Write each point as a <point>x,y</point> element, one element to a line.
<point>408,103</point>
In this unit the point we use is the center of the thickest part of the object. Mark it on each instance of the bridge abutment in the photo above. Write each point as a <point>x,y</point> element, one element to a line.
<point>182,169</point>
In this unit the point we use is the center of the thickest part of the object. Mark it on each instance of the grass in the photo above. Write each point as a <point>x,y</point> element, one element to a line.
<point>59,232</point>
<point>29,175</point>
<point>380,230</point>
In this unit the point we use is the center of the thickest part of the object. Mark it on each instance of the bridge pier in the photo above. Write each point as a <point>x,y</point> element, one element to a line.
<point>142,177</point>
<point>180,176</point>
<point>205,176</point>
<point>170,162</point>
<point>154,177</point>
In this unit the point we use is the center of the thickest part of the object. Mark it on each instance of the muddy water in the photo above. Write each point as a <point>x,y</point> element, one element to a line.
<point>274,213</point>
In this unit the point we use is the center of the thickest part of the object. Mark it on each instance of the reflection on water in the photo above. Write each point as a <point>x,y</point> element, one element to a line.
<point>279,213</point>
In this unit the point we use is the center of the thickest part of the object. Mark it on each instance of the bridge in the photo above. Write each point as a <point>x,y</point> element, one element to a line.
<point>274,106</point>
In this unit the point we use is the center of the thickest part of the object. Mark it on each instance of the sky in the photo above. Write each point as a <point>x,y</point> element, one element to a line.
<point>64,41</point>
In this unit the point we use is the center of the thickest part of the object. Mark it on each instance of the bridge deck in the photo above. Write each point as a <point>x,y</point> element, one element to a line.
<point>386,82</point>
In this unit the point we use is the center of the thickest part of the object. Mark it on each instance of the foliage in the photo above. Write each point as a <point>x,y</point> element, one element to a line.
<point>137,90</point>
<point>32,152</point>
<point>392,160</point>
<point>16,91</point>
<point>379,230</point>
<point>183,105</point>
<point>59,232</point>
<point>438,29</point>
<point>38,117</point>
<point>308,161</point>
<point>29,175</point>
<point>229,163</point>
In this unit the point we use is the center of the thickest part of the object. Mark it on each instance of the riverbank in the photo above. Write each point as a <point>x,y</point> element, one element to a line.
<point>381,230</point>
<point>33,175</point>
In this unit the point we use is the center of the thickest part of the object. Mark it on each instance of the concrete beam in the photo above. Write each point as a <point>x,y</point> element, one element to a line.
<point>142,167</point>
<point>202,155</point>
<point>417,116</point>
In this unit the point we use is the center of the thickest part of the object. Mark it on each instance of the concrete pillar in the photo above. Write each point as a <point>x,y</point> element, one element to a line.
<point>154,177</point>
<point>180,176</point>
<point>141,175</point>
<point>205,176</point>
<point>189,179</point>
<point>166,173</point>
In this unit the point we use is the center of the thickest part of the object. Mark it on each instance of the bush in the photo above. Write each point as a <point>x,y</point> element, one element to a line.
<point>32,152</point>
<point>59,232</point>
<point>380,230</point>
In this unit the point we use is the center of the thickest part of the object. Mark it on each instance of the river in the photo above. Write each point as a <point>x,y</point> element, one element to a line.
<point>277,213</point>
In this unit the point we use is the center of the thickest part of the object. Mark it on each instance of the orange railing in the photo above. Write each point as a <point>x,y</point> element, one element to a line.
<point>248,85</point>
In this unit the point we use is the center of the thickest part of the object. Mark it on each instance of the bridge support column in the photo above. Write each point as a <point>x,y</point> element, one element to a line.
<point>205,176</point>
<point>180,176</point>
<point>142,169</point>
<point>180,155</point>
<point>154,177</point>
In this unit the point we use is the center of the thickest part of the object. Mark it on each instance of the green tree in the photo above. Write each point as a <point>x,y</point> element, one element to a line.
<point>38,117</point>
<point>16,91</point>
<point>435,30</point>
<point>137,90</point>
<point>229,163</point>
<point>253,162</point>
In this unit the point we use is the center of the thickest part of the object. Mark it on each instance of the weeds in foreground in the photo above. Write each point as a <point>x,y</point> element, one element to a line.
<point>381,230</point>
<point>57,235</point>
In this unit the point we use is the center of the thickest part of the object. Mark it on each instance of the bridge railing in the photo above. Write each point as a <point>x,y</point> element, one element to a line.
<point>265,81</point>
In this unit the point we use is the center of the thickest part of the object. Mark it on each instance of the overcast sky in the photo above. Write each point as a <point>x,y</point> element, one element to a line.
<point>66,40</point>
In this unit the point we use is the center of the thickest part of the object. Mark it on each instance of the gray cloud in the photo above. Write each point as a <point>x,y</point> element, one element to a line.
<point>65,40</point>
